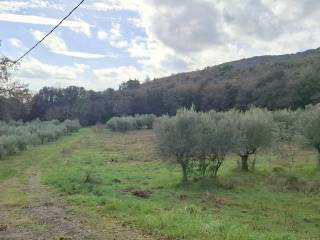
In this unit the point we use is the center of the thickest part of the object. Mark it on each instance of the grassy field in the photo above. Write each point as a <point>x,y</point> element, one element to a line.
<point>119,176</point>
<point>14,175</point>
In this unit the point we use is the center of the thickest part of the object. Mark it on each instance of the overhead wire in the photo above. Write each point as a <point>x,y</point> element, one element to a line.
<point>48,34</point>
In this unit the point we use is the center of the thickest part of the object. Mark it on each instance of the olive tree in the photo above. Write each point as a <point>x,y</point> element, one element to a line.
<point>15,136</point>
<point>255,130</point>
<point>309,126</point>
<point>286,128</point>
<point>216,137</point>
<point>122,124</point>
<point>112,124</point>
<point>3,151</point>
<point>9,144</point>
<point>176,138</point>
<point>126,123</point>
<point>148,120</point>
<point>71,126</point>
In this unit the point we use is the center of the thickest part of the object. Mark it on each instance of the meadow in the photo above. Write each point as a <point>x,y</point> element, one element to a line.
<point>119,176</point>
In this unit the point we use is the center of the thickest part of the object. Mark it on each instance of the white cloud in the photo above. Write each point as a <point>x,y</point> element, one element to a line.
<point>181,36</point>
<point>115,32</point>
<point>83,55</point>
<point>202,25</point>
<point>14,6</point>
<point>38,74</point>
<point>77,26</point>
<point>251,18</point>
<point>136,21</point>
<point>33,68</point>
<point>155,57</point>
<point>53,42</point>
<point>102,35</point>
<point>57,45</point>
<point>185,35</point>
<point>113,77</point>
<point>188,35</point>
<point>119,44</point>
<point>109,5</point>
<point>114,36</point>
<point>17,43</point>
<point>186,26</point>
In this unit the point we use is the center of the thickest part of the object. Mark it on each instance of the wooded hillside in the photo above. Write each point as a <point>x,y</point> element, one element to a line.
<point>285,81</point>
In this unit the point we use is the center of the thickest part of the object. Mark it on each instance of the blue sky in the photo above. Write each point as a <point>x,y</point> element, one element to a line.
<point>106,42</point>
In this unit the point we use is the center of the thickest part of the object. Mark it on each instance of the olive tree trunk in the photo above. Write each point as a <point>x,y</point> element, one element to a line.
<point>184,163</point>
<point>319,157</point>
<point>244,163</point>
<point>184,173</point>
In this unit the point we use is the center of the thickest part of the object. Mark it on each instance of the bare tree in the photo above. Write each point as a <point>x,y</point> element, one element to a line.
<point>8,86</point>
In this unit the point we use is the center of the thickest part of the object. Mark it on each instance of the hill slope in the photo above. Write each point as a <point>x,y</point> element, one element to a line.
<point>291,80</point>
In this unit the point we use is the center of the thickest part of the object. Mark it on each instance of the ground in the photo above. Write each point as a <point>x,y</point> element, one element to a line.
<point>98,184</point>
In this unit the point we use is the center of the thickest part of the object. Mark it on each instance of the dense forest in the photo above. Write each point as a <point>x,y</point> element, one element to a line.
<point>273,82</point>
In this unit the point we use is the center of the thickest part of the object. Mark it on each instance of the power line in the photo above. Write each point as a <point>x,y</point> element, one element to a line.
<point>40,41</point>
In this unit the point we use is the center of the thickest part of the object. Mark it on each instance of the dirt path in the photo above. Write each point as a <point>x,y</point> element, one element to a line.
<point>50,218</point>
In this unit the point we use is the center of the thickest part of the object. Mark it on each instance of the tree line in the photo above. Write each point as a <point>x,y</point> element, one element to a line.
<point>272,82</point>
<point>91,107</point>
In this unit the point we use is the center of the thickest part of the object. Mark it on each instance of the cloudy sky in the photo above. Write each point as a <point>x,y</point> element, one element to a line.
<point>106,42</point>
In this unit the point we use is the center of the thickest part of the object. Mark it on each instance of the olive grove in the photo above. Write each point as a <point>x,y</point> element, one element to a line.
<point>15,136</point>
<point>200,142</point>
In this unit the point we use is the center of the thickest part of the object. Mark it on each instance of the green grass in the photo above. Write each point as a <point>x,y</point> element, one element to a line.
<point>14,173</point>
<point>98,171</point>
<point>101,170</point>
<point>16,165</point>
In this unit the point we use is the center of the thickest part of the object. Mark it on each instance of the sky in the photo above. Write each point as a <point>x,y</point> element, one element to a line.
<point>107,42</point>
